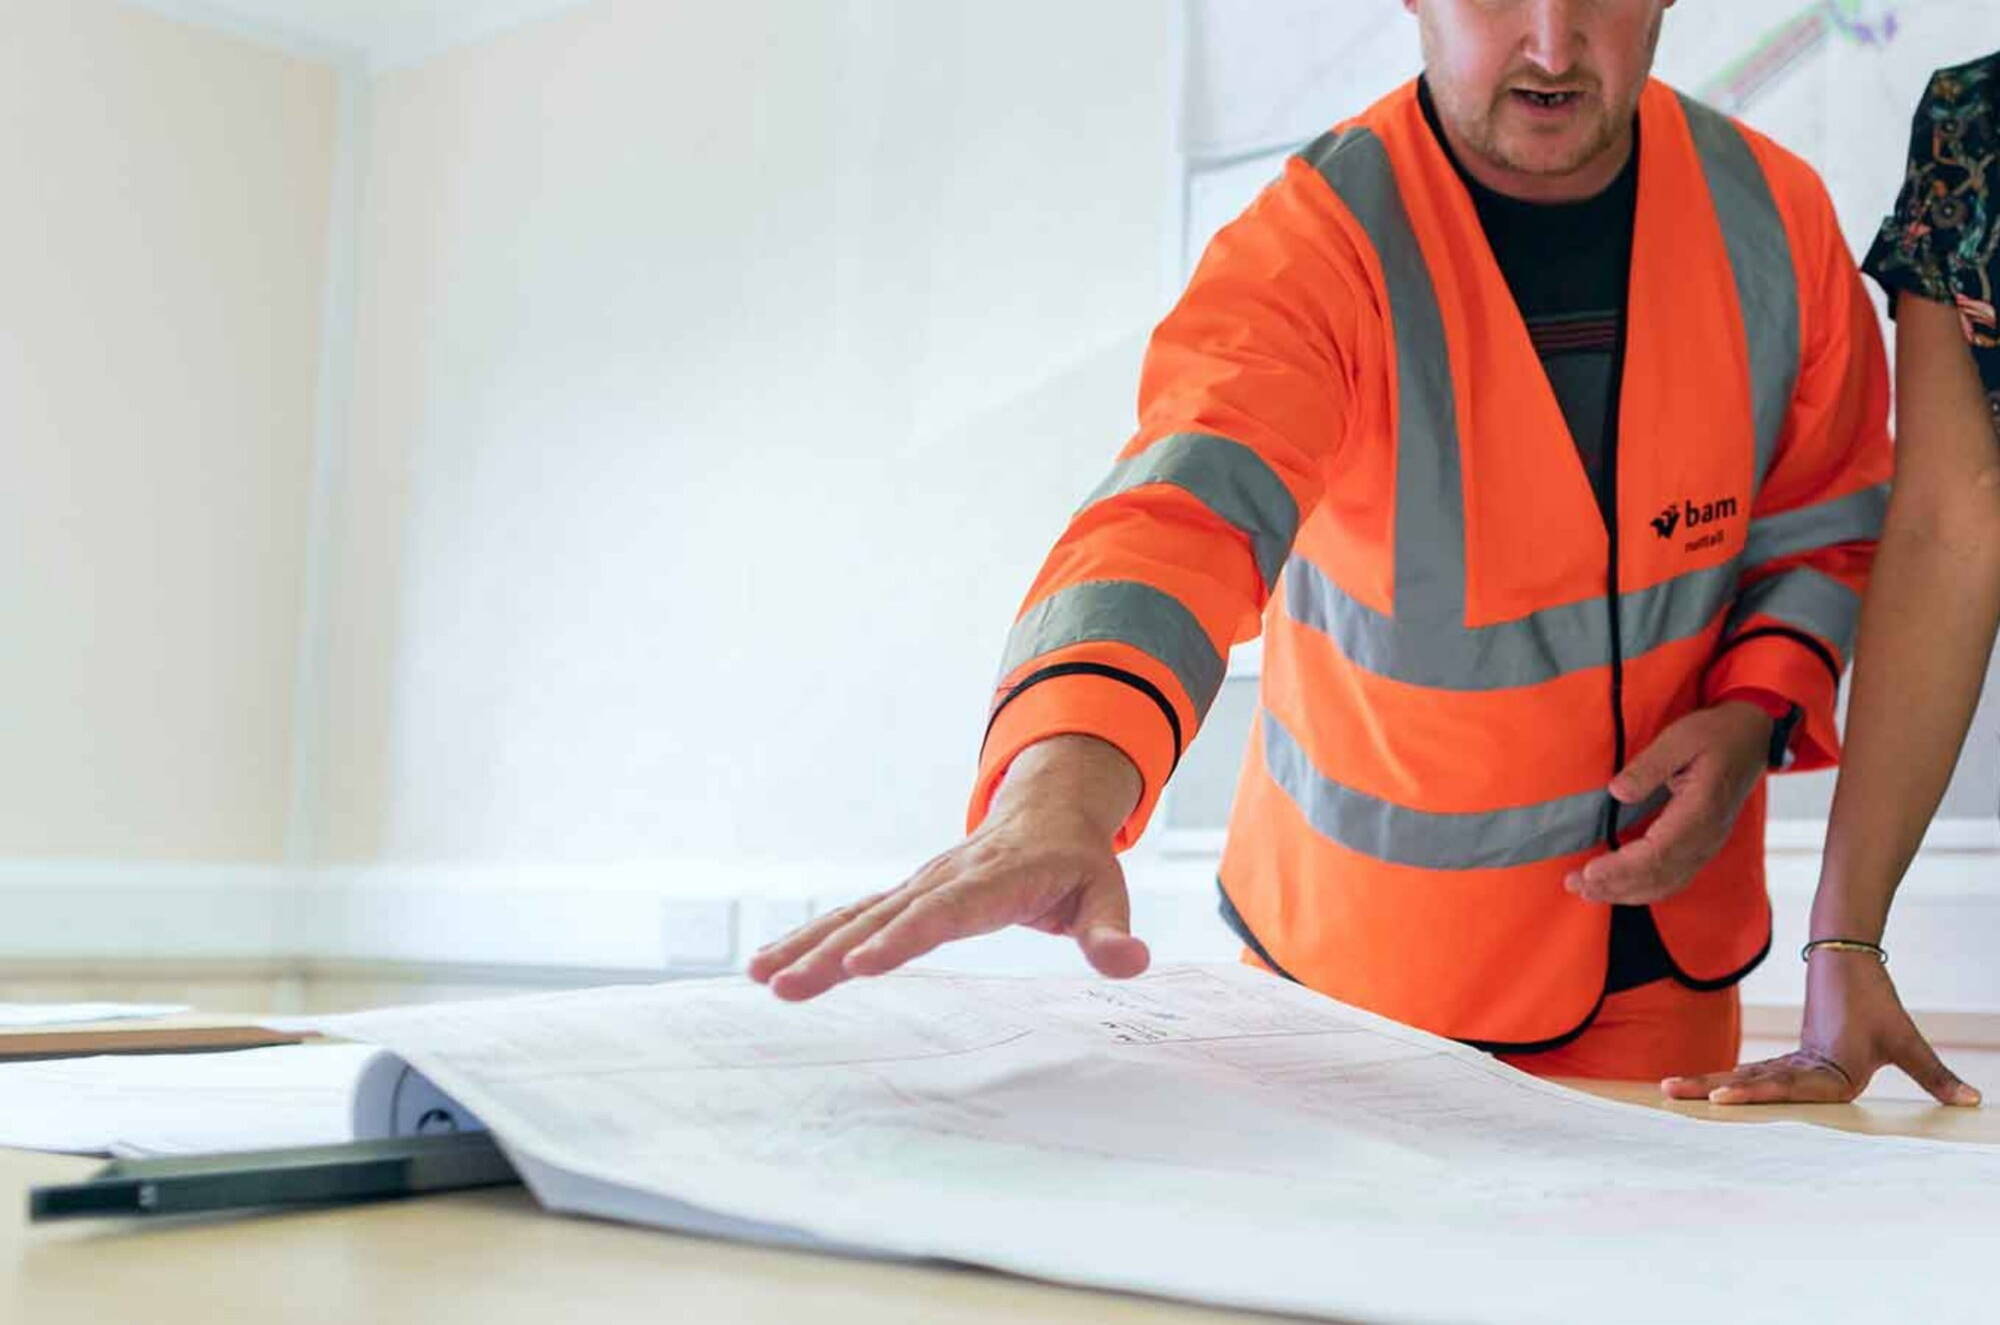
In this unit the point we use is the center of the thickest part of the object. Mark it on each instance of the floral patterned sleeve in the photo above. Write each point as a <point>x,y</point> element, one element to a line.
<point>1941,243</point>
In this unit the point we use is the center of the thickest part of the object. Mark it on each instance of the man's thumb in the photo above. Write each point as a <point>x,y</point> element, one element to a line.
<point>1103,928</point>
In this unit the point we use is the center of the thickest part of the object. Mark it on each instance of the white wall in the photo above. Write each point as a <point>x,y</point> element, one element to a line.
<point>162,257</point>
<point>722,374</point>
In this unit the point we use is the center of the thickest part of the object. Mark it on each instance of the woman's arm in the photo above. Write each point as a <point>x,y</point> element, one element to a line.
<point>1927,631</point>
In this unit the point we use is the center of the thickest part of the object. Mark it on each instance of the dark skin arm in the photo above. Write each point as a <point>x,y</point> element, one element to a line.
<point>1926,637</point>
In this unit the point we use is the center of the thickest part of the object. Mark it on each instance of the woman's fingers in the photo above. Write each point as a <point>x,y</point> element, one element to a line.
<point>1787,1083</point>
<point>1797,1078</point>
<point>1916,1057</point>
<point>1696,1087</point>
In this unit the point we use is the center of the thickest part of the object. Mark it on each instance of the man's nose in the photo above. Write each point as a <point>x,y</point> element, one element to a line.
<point>1553,38</point>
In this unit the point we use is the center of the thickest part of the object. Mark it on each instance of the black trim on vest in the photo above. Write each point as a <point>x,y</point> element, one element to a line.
<point>1677,975</point>
<point>1613,589</point>
<point>1133,679</point>
<point>1817,649</point>
<point>1549,1045</point>
<point>1723,982</point>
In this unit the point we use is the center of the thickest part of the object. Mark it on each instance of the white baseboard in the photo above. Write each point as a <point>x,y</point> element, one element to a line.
<point>120,910</point>
<point>704,916</point>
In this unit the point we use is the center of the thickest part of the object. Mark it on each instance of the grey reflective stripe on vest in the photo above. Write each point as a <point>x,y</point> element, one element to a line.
<point>1540,647</point>
<point>1430,501</point>
<point>1149,620</point>
<point>1227,477</point>
<point>1381,830</point>
<point>1805,600</point>
<point>1678,609</point>
<point>1851,519</point>
<point>1760,256</point>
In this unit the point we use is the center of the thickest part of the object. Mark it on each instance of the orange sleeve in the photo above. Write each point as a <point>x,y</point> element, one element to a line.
<point>1819,512</point>
<point>1243,407</point>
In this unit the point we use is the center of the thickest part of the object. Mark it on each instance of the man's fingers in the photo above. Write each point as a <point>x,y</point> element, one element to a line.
<point>1650,769</point>
<point>955,911</point>
<point>825,965</point>
<point>1638,872</point>
<point>1916,1057</point>
<point>1701,772</point>
<point>1655,865</point>
<point>1619,875</point>
<point>775,957</point>
<point>959,895</point>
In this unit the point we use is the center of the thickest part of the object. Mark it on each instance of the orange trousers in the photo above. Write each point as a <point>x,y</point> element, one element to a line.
<point>1662,1029</point>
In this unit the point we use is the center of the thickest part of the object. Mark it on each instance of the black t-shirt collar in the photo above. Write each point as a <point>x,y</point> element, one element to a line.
<point>1613,205</point>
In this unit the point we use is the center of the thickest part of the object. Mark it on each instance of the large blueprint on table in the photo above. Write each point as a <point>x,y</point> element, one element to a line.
<point>1208,1133</point>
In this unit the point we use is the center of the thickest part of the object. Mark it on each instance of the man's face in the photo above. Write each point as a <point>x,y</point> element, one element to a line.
<point>1540,89</point>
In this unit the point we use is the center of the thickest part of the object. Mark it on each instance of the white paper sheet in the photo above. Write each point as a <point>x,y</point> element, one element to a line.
<point>20,1015</point>
<point>146,1104</point>
<point>1207,1133</point>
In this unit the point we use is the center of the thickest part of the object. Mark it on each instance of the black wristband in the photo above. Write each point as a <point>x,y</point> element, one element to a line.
<point>1844,945</point>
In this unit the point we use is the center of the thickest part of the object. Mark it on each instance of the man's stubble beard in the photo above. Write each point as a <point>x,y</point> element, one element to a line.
<point>1482,139</point>
<point>1479,135</point>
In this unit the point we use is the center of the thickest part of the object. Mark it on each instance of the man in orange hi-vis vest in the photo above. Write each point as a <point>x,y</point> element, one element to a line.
<point>1538,416</point>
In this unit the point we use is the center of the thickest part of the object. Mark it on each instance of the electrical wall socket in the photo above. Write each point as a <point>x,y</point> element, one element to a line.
<point>698,935</point>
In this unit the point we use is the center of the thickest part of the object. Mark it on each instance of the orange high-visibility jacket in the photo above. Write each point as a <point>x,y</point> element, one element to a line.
<point>1345,431</point>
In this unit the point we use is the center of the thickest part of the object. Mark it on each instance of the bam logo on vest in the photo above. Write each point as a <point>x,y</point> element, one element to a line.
<point>1686,517</point>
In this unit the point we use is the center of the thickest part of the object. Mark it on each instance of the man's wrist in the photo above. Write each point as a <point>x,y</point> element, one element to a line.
<point>1781,715</point>
<point>1075,777</point>
<point>1757,724</point>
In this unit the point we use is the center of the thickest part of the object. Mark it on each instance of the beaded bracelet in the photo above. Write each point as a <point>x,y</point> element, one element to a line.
<point>1845,945</point>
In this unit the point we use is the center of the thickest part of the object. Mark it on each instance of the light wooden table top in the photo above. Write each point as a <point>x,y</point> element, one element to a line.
<point>186,1032</point>
<point>490,1258</point>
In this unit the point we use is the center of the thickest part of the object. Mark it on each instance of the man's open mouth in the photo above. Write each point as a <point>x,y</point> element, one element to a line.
<point>1546,100</point>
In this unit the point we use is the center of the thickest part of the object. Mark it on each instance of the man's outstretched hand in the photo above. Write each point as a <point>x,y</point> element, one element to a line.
<point>1043,858</point>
